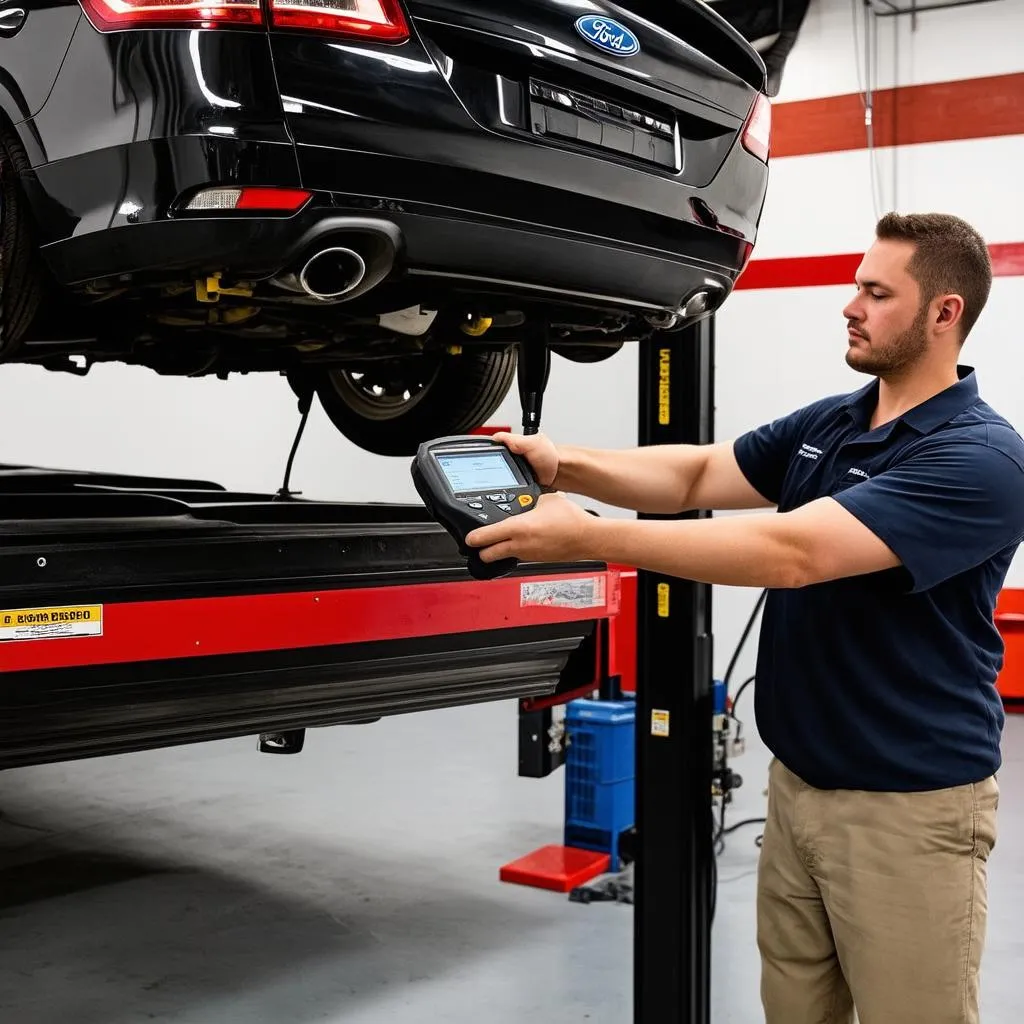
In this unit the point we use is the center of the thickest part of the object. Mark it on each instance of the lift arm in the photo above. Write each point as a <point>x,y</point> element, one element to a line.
<point>143,613</point>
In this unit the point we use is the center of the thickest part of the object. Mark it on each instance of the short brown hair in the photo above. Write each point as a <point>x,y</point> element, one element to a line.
<point>951,257</point>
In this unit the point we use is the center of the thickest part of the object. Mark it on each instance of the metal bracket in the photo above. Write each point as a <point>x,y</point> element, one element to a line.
<point>289,742</point>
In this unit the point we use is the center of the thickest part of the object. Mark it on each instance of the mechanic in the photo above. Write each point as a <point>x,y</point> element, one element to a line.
<point>898,510</point>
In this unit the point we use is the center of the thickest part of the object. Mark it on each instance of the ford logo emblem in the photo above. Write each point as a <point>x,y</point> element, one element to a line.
<point>608,35</point>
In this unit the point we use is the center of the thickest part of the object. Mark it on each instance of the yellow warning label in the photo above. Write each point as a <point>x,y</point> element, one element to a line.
<point>53,623</point>
<point>665,387</point>
<point>659,723</point>
<point>663,593</point>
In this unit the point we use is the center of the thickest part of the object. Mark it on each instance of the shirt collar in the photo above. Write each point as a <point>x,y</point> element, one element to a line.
<point>927,416</point>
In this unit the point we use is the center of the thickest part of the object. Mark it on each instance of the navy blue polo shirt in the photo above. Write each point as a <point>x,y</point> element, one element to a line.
<point>887,681</point>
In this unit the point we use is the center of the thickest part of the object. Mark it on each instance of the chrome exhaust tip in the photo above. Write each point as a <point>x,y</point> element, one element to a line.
<point>332,273</point>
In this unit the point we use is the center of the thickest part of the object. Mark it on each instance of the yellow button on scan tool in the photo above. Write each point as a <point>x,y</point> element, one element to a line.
<point>525,500</point>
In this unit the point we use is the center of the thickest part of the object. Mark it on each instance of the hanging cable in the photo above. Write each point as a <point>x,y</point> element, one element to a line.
<point>305,405</point>
<point>718,828</point>
<point>743,639</point>
<point>867,86</point>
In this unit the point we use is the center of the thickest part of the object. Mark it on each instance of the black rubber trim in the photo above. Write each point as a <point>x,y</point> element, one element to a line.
<point>65,714</point>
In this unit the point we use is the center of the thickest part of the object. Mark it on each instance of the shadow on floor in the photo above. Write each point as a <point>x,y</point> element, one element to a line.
<point>101,926</point>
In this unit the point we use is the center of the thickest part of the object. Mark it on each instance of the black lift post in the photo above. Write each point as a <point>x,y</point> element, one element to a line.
<point>674,855</point>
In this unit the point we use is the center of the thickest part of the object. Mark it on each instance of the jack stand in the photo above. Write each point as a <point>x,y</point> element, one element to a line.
<point>534,370</point>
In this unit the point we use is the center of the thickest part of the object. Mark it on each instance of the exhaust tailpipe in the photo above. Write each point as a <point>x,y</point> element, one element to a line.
<point>332,273</point>
<point>339,259</point>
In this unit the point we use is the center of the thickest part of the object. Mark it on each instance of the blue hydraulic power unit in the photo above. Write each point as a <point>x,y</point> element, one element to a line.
<point>600,774</point>
<point>600,771</point>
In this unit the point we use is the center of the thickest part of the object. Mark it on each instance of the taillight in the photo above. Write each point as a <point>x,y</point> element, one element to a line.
<point>269,200</point>
<point>748,251</point>
<point>379,20</point>
<point>757,134</point>
<point>113,15</point>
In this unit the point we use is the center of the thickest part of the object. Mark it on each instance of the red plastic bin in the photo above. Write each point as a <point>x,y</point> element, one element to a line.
<point>1009,619</point>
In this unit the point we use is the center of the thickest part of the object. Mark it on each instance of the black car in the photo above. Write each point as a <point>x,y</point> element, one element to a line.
<point>380,199</point>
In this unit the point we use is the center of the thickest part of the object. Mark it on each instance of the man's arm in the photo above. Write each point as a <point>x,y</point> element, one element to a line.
<point>668,479</point>
<point>818,542</point>
<point>945,509</point>
<point>663,479</point>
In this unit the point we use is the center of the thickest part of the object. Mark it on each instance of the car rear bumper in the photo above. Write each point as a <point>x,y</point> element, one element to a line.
<point>433,248</point>
<point>447,224</point>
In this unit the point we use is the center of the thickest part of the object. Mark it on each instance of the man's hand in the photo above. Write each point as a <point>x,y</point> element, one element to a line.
<point>557,530</point>
<point>538,450</point>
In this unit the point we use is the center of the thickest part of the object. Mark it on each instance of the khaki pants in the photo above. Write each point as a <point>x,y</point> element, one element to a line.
<point>873,900</point>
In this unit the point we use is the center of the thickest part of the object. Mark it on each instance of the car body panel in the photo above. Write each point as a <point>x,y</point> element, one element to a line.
<point>31,56</point>
<point>547,28</point>
<point>463,88</point>
<point>124,87</point>
<point>135,183</point>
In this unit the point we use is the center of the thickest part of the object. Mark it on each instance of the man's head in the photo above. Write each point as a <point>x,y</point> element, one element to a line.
<point>920,289</point>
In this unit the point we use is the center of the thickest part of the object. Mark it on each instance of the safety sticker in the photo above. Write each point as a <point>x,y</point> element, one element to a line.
<point>664,387</point>
<point>589,592</point>
<point>56,623</point>
<point>664,606</point>
<point>659,723</point>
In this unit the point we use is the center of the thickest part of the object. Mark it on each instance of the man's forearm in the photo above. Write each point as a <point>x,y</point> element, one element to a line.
<point>655,480</point>
<point>739,551</point>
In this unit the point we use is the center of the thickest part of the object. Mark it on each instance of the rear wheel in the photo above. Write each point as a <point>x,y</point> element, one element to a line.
<point>392,407</point>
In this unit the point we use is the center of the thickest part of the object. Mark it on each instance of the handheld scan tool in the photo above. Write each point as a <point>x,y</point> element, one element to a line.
<point>468,482</point>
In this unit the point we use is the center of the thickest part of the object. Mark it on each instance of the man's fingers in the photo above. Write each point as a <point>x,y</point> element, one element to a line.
<point>514,442</point>
<point>485,536</point>
<point>498,552</point>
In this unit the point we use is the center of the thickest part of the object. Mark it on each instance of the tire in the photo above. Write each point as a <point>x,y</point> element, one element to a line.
<point>421,397</point>
<point>21,278</point>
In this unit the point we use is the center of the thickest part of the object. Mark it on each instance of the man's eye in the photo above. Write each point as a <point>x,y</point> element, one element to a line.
<point>875,295</point>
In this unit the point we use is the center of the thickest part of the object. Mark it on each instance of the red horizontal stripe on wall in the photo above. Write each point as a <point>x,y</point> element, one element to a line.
<point>973,108</point>
<point>816,271</point>
<point>1008,259</point>
<point>801,272</point>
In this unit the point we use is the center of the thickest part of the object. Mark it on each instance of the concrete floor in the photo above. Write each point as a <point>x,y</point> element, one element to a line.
<point>357,883</point>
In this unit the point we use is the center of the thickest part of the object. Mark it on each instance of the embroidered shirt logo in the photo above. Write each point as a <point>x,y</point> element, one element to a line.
<point>858,472</point>
<point>809,452</point>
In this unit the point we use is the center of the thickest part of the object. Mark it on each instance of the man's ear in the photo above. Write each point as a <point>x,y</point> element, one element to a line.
<point>948,312</point>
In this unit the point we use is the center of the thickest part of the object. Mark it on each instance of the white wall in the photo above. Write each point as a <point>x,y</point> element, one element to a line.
<point>776,349</point>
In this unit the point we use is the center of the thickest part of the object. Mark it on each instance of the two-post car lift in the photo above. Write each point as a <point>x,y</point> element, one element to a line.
<point>144,612</point>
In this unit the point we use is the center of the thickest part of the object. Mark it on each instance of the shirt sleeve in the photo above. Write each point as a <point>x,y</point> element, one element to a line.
<point>764,454</point>
<point>944,510</point>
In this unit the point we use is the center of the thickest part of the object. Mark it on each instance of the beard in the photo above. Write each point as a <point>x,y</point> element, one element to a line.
<point>896,355</point>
